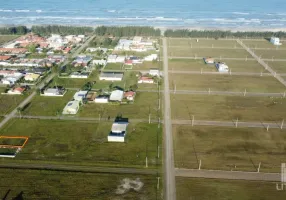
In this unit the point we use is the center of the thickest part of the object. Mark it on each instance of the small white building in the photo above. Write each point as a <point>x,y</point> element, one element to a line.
<point>118,132</point>
<point>53,92</point>
<point>116,95</point>
<point>80,96</point>
<point>111,76</point>
<point>275,41</point>
<point>101,99</point>
<point>209,60</point>
<point>151,57</point>
<point>221,67</point>
<point>71,108</point>
<point>145,79</point>
<point>79,75</point>
<point>154,72</point>
<point>99,62</point>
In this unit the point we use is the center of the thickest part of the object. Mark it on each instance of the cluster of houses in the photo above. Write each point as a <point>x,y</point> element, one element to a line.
<point>220,66</point>
<point>138,44</point>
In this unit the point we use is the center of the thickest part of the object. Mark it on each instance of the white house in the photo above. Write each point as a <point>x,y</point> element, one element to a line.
<point>209,60</point>
<point>118,132</point>
<point>71,108</point>
<point>101,99</point>
<point>53,92</point>
<point>222,67</point>
<point>115,59</point>
<point>99,62</point>
<point>275,41</point>
<point>154,72</point>
<point>18,90</point>
<point>79,75</point>
<point>80,95</point>
<point>151,57</point>
<point>111,76</point>
<point>116,95</point>
<point>31,77</point>
<point>10,80</point>
<point>145,79</point>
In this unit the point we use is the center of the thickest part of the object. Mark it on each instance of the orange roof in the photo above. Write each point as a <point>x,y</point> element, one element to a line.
<point>19,89</point>
<point>5,57</point>
<point>145,78</point>
<point>130,93</point>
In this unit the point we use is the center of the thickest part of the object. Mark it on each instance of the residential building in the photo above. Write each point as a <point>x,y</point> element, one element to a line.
<point>80,96</point>
<point>115,59</point>
<point>275,41</point>
<point>209,60</point>
<point>151,57</point>
<point>71,108</point>
<point>135,60</point>
<point>56,92</point>
<point>31,77</point>
<point>146,79</point>
<point>118,132</point>
<point>90,49</point>
<point>5,58</point>
<point>79,75</point>
<point>99,62</point>
<point>116,95</point>
<point>13,50</point>
<point>82,60</point>
<point>111,76</point>
<point>222,67</point>
<point>154,72</point>
<point>17,90</point>
<point>101,99</point>
<point>130,95</point>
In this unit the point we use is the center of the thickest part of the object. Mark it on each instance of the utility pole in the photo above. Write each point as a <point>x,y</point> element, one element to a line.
<point>282,123</point>
<point>158,151</point>
<point>267,127</point>
<point>200,164</point>
<point>244,92</point>
<point>236,123</point>
<point>193,120</point>
<point>175,89</point>
<point>149,118</point>
<point>158,182</point>
<point>258,169</point>
<point>209,91</point>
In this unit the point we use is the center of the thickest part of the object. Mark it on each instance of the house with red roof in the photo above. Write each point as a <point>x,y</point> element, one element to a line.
<point>146,79</point>
<point>130,95</point>
<point>17,90</point>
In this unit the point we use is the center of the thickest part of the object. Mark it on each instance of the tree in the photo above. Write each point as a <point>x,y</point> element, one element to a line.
<point>19,110</point>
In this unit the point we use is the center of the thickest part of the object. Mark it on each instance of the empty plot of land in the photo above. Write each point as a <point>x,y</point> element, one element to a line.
<point>7,38</point>
<point>270,54</point>
<point>73,82</point>
<point>48,106</point>
<point>218,53</point>
<point>114,66</point>
<point>9,102</point>
<point>145,104</point>
<point>205,189</point>
<point>148,65</point>
<point>278,67</point>
<point>199,65</point>
<point>204,43</point>
<point>228,108</point>
<point>225,83</point>
<point>253,44</point>
<point>36,184</point>
<point>84,142</point>
<point>240,149</point>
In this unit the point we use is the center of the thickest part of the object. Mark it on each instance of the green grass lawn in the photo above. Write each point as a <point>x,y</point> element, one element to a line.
<point>225,83</point>
<point>253,44</point>
<point>114,66</point>
<point>7,38</point>
<point>36,184</point>
<point>201,52</point>
<point>83,142</point>
<point>215,189</point>
<point>269,54</point>
<point>48,106</point>
<point>224,148</point>
<point>147,65</point>
<point>10,102</point>
<point>228,108</point>
<point>203,43</point>
<point>279,67</point>
<point>199,64</point>
<point>144,104</point>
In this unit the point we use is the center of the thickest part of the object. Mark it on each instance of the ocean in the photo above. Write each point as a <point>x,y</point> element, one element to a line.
<point>252,14</point>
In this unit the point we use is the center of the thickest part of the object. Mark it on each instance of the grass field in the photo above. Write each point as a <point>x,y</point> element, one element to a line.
<point>271,54</point>
<point>114,66</point>
<point>278,66</point>
<point>225,83</point>
<point>9,102</point>
<point>253,44</point>
<point>228,108</point>
<point>199,64</point>
<point>203,43</point>
<point>48,106</point>
<point>36,184</point>
<point>7,38</point>
<point>148,65</point>
<point>84,142</point>
<point>224,148</point>
<point>201,52</point>
<point>144,104</point>
<point>215,189</point>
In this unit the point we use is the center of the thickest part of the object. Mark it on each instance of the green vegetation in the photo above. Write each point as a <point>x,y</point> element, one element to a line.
<point>127,31</point>
<point>84,142</point>
<point>205,189</point>
<point>228,108</point>
<point>62,30</point>
<point>47,106</point>
<point>14,30</point>
<point>225,83</point>
<point>103,42</point>
<point>223,148</point>
<point>270,54</point>
<point>36,184</point>
<point>221,34</point>
<point>277,66</point>
<point>114,66</point>
<point>253,44</point>
<point>201,43</point>
<point>7,38</point>
<point>9,102</point>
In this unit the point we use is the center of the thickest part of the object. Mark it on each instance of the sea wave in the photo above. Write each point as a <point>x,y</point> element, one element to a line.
<point>22,10</point>
<point>240,13</point>
<point>5,10</point>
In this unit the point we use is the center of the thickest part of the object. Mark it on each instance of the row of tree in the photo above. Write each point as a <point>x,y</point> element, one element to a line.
<point>13,30</point>
<point>127,31</point>
<point>222,34</point>
<point>62,30</point>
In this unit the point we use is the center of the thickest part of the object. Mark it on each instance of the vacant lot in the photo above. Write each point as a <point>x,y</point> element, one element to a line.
<point>36,184</point>
<point>204,43</point>
<point>9,102</point>
<point>279,67</point>
<point>199,65</point>
<point>205,189</point>
<point>114,66</point>
<point>225,83</point>
<point>48,106</point>
<point>144,104</point>
<point>253,44</point>
<point>270,54</point>
<point>84,142</point>
<point>148,65</point>
<point>229,148</point>
<point>229,108</point>
<point>7,38</point>
<point>201,52</point>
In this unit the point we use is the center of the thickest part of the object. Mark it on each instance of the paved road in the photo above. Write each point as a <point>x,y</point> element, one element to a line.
<point>170,184</point>
<point>214,47</point>
<point>223,58</point>
<point>78,168</point>
<point>266,66</point>
<point>234,175</point>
